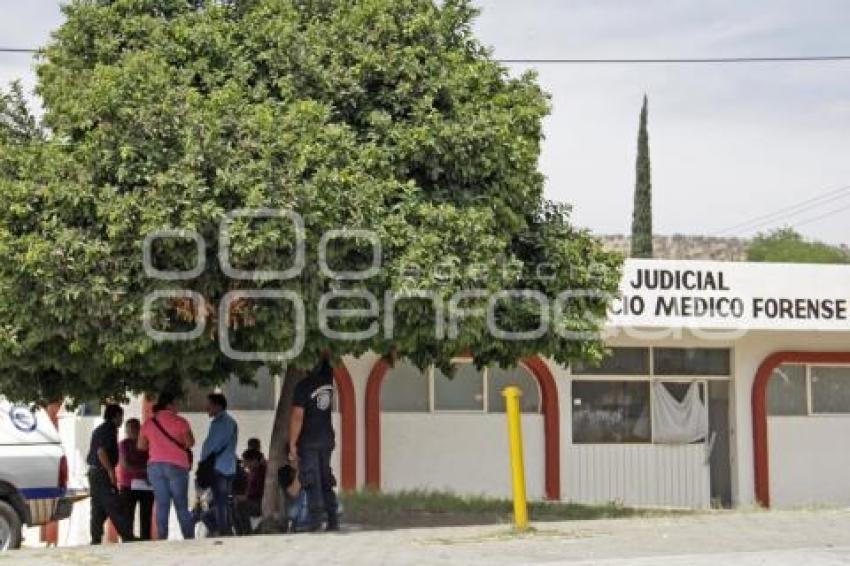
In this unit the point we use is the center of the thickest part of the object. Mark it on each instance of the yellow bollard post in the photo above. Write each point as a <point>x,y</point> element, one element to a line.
<point>512,395</point>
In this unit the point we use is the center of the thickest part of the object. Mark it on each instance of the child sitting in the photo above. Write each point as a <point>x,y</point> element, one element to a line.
<point>296,510</point>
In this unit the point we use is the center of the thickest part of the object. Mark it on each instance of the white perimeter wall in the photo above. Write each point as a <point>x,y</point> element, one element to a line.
<point>466,453</point>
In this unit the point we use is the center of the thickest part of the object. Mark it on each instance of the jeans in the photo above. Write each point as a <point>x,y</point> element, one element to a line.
<point>319,483</point>
<point>107,504</point>
<point>222,489</point>
<point>171,483</point>
<point>144,499</point>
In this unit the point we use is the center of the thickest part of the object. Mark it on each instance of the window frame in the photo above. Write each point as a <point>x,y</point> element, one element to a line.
<point>433,387</point>
<point>429,393</point>
<point>612,379</point>
<point>810,412</point>
<point>674,376</point>
<point>807,405</point>
<point>596,372</point>
<point>701,382</point>
<point>430,373</point>
<point>810,398</point>
<point>277,385</point>
<point>650,377</point>
<point>233,382</point>
<point>537,389</point>
<point>651,374</point>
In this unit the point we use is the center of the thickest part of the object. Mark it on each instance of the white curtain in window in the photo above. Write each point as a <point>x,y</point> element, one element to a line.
<point>678,422</point>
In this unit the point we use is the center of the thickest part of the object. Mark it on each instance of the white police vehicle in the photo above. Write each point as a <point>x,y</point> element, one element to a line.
<point>33,472</point>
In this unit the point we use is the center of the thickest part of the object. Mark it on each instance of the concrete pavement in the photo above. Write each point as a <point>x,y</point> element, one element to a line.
<point>819,537</point>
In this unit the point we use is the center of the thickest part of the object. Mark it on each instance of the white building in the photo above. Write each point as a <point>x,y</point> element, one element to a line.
<point>766,348</point>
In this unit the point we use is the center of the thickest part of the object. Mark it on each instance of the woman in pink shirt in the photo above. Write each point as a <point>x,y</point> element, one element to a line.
<point>168,438</point>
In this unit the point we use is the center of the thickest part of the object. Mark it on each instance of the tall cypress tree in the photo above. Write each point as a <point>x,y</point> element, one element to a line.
<point>642,213</point>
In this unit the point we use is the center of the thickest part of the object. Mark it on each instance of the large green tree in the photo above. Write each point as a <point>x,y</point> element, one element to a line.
<point>642,212</point>
<point>785,245</point>
<point>381,115</point>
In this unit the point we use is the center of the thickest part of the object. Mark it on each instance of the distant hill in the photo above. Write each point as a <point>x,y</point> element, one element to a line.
<point>680,246</point>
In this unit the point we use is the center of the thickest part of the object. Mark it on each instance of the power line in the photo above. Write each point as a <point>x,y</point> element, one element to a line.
<point>616,61</point>
<point>822,216</point>
<point>788,211</point>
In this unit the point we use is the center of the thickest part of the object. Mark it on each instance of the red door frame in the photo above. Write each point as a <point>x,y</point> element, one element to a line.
<point>551,424</point>
<point>759,409</point>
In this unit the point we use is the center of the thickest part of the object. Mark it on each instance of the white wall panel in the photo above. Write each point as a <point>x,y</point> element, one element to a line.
<point>465,453</point>
<point>638,474</point>
<point>809,461</point>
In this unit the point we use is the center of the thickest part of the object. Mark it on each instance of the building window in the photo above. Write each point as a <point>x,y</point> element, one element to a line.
<point>611,412</point>
<point>665,401</point>
<point>618,361</point>
<point>259,396</point>
<point>803,390</point>
<point>405,389</point>
<point>194,399</point>
<point>786,391</point>
<point>89,408</point>
<point>498,379</point>
<point>464,391</point>
<point>830,389</point>
<point>691,361</point>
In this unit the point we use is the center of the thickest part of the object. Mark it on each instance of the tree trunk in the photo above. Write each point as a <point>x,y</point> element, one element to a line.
<point>277,446</point>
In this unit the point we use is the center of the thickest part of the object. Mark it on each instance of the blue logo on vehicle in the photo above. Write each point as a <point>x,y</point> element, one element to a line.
<point>23,418</point>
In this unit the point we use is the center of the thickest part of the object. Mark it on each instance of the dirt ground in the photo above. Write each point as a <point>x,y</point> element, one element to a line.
<point>735,538</point>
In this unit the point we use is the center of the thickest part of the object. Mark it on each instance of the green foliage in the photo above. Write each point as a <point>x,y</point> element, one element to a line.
<point>385,115</point>
<point>642,212</point>
<point>784,245</point>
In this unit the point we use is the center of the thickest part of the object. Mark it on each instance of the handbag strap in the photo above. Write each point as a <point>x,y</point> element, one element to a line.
<point>167,435</point>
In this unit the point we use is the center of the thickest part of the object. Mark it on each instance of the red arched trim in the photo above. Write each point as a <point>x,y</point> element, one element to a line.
<point>373,423</point>
<point>348,425</point>
<point>759,409</point>
<point>551,424</point>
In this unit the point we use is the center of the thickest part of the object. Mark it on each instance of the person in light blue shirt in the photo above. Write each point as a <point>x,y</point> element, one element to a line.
<point>221,442</point>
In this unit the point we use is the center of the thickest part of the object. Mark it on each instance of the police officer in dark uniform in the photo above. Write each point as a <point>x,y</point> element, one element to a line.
<point>311,442</point>
<point>102,459</point>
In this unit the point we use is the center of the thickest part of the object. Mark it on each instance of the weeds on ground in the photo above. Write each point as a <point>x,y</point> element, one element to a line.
<point>434,508</point>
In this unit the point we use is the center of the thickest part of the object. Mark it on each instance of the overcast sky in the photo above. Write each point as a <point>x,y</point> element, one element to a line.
<point>728,142</point>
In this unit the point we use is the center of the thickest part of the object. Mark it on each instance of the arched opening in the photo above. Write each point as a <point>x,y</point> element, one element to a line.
<point>759,402</point>
<point>548,407</point>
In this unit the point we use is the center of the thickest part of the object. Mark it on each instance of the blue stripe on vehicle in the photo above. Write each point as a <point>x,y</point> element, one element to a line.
<point>42,492</point>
